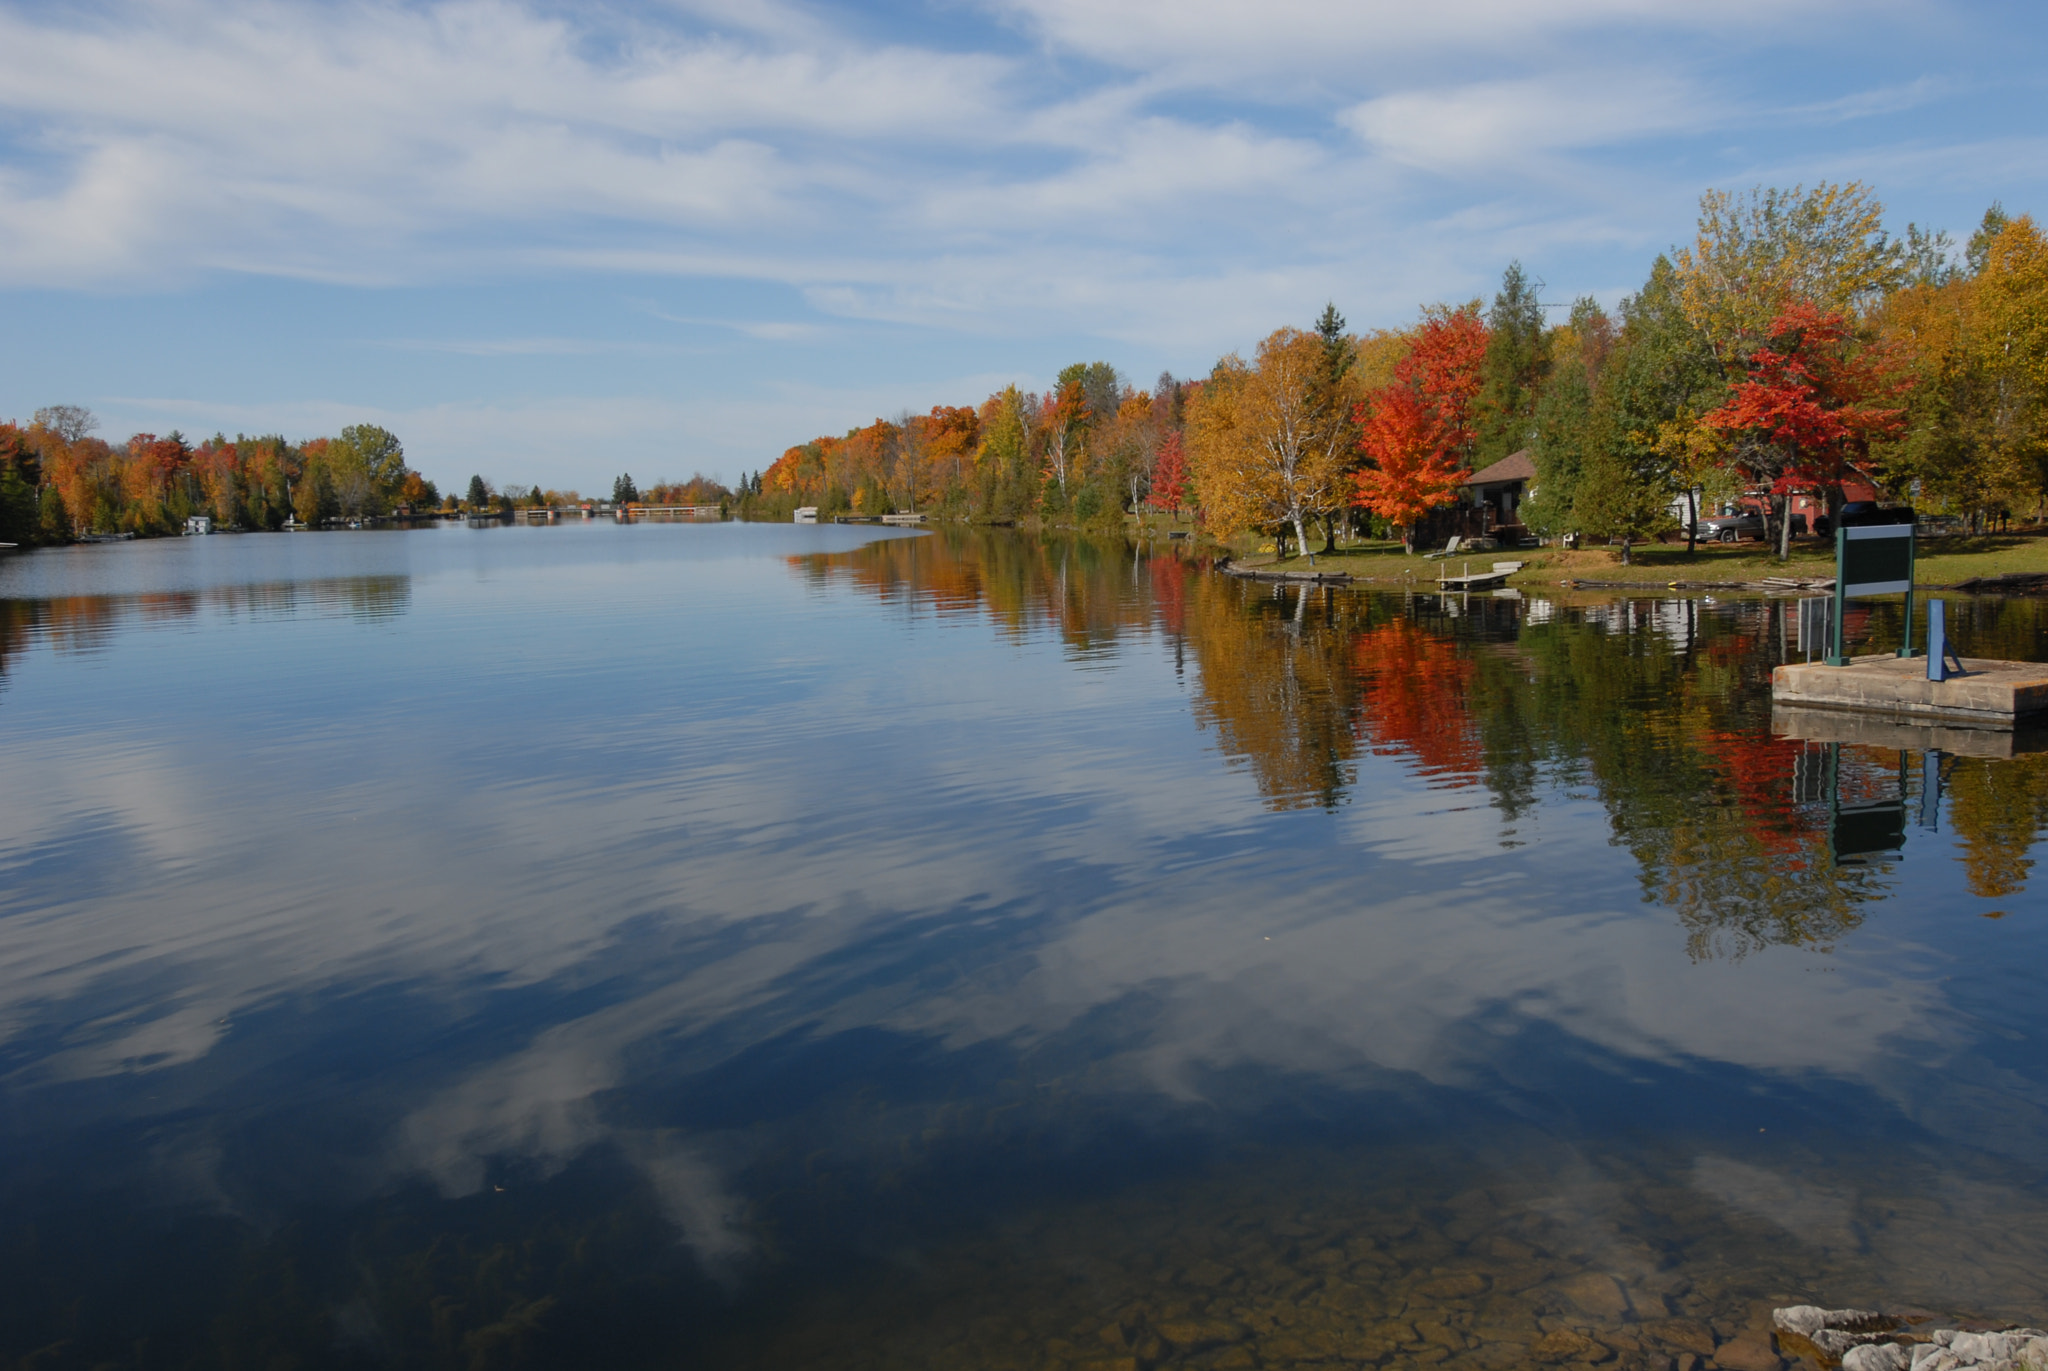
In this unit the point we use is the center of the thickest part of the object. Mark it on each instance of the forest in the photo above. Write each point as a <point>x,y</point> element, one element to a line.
<point>1793,343</point>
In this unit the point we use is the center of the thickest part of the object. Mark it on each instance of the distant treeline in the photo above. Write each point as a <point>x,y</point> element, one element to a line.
<point>58,481</point>
<point>1795,344</point>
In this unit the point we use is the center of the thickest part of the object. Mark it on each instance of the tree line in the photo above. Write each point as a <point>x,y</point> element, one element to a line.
<point>58,481</point>
<point>1792,345</point>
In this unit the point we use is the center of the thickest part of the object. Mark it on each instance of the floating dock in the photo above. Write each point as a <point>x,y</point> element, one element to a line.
<point>1986,693</point>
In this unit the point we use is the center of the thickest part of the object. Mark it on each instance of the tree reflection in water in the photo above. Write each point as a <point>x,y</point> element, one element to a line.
<point>1659,708</point>
<point>88,623</point>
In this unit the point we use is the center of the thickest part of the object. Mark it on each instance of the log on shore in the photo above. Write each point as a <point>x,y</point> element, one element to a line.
<point>2011,583</point>
<point>1326,578</point>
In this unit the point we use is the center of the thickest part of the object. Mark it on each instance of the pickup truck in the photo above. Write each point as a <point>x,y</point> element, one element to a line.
<point>1730,528</point>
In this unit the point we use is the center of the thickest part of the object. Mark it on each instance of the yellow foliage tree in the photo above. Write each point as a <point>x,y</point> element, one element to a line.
<point>1764,249</point>
<point>1267,443</point>
<point>1978,347</point>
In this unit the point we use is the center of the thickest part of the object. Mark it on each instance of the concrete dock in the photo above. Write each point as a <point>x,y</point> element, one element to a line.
<point>1897,732</point>
<point>1988,693</point>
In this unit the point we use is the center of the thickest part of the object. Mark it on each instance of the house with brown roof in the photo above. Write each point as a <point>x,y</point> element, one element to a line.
<point>1488,503</point>
<point>1496,493</point>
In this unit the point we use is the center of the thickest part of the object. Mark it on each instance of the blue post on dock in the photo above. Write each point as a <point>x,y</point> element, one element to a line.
<point>1941,662</point>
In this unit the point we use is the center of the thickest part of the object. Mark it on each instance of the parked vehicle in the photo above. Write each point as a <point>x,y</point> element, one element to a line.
<point>1730,526</point>
<point>1862,514</point>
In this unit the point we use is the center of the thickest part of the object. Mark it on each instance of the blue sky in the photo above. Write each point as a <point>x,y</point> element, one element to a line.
<point>553,242</point>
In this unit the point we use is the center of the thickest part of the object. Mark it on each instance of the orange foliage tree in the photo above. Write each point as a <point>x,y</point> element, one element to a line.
<point>1804,409</point>
<point>1416,433</point>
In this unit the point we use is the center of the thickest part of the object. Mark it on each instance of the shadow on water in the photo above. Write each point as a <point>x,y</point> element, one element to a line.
<point>1456,981</point>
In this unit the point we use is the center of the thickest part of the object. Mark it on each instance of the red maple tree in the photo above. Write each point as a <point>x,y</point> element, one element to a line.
<point>1416,434</point>
<point>1170,476</point>
<point>1806,407</point>
<point>1412,469</point>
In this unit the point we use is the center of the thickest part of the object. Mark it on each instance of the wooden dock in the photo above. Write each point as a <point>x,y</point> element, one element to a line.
<point>1987,693</point>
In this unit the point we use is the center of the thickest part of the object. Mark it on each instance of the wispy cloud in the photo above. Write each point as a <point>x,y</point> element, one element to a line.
<point>518,347</point>
<point>766,330</point>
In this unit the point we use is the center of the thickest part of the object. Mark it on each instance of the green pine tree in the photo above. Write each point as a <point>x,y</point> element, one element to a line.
<point>1513,371</point>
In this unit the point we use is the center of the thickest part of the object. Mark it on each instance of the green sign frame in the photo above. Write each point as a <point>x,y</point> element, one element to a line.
<point>1874,559</point>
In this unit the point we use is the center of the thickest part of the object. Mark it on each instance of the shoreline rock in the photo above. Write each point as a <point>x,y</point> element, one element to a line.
<point>1868,1340</point>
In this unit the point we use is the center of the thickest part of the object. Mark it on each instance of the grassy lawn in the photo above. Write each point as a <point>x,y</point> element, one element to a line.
<point>1942,561</point>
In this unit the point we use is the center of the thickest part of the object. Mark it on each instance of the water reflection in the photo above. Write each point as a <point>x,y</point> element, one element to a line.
<point>977,950</point>
<point>1659,706</point>
<point>87,623</point>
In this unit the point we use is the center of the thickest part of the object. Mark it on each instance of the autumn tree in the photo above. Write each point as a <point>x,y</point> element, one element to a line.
<point>2012,352</point>
<point>1810,402</point>
<point>313,500</point>
<point>1416,431</point>
<point>1002,460</point>
<point>1976,430</point>
<point>1126,447</point>
<point>20,476</point>
<point>1063,420</point>
<point>1170,476</point>
<point>1412,470</point>
<point>950,434</point>
<point>1442,362</point>
<point>1266,447</point>
<point>1758,253</point>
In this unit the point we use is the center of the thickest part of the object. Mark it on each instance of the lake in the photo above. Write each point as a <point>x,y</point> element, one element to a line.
<point>762,946</point>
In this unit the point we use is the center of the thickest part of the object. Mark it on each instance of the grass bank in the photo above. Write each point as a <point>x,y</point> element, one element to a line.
<point>1942,561</point>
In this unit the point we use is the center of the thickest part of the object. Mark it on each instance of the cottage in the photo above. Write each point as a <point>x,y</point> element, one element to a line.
<point>1497,492</point>
<point>1488,504</point>
<point>198,523</point>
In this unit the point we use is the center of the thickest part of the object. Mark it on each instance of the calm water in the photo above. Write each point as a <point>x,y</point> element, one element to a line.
<point>763,946</point>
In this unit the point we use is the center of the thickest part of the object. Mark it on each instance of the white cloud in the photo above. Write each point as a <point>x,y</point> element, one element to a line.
<point>1502,123</point>
<point>182,136</point>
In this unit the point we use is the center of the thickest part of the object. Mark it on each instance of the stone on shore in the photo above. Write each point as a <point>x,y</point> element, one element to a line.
<point>1866,1340</point>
